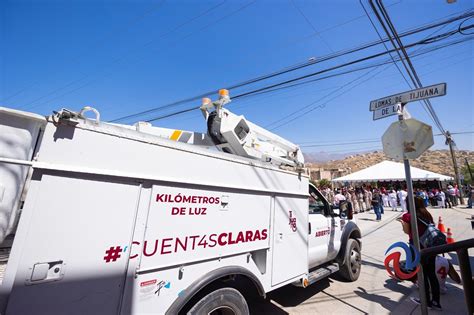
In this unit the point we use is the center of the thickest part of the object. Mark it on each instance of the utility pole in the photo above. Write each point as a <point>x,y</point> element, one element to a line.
<point>450,142</point>
<point>414,223</point>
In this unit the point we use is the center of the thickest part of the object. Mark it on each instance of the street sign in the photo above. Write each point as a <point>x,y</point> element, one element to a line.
<point>409,96</point>
<point>387,111</point>
<point>407,138</point>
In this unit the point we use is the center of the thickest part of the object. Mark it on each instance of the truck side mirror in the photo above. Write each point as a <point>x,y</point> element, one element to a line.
<point>345,210</point>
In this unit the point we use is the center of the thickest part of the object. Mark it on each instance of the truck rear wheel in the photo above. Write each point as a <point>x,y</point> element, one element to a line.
<point>351,269</point>
<point>225,301</point>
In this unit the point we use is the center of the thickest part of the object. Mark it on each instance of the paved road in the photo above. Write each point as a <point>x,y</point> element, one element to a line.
<point>374,292</point>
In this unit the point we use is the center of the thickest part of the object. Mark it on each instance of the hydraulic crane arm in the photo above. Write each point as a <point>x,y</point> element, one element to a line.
<point>235,134</point>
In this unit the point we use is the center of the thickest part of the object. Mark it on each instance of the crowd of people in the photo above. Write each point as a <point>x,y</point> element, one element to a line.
<point>365,198</point>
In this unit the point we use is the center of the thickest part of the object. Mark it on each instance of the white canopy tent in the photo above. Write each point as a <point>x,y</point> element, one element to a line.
<point>391,171</point>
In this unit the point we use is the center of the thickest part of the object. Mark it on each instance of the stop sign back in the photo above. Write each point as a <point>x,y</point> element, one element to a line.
<point>408,139</point>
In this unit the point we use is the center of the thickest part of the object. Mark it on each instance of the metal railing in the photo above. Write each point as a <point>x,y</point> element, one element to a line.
<point>460,248</point>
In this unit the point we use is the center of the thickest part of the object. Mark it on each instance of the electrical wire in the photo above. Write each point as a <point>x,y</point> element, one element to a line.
<point>313,107</point>
<point>420,52</point>
<point>449,44</point>
<point>295,67</point>
<point>293,80</point>
<point>409,66</point>
<point>354,150</point>
<point>327,69</point>
<point>403,62</point>
<point>358,141</point>
<point>312,26</point>
<point>460,26</point>
<point>176,42</point>
<point>386,48</point>
<point>120,59</point>
<point>97,43</point>
<point>424,106</point>
<point>337,144</point>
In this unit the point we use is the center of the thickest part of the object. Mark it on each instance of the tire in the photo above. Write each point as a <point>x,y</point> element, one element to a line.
<point>224,301</point>
<point>350,271</point>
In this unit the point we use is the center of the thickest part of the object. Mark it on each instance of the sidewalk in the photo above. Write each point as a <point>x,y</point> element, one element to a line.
<point>375,292</point>
<point>367,223</point>
<point>457,218</point>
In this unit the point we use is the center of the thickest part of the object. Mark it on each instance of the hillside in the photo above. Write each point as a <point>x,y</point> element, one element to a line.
<point>438,161</point>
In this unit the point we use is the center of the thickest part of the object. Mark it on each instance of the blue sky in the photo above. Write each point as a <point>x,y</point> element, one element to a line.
<point>123,57</point>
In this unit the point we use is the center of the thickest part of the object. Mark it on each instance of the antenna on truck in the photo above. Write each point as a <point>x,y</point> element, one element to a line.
<point>236,135</point>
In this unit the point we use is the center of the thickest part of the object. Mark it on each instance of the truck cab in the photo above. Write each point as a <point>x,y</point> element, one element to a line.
<point>331,228</point>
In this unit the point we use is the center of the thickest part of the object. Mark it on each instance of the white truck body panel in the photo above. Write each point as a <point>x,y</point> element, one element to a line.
<point>121,221</point>
<point>97,187</point>
<point>18,136</point>
<point>70,222</point>
<point>290,236</point>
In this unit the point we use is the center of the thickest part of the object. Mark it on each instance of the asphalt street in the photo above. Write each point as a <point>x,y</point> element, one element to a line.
<point>374,292</point>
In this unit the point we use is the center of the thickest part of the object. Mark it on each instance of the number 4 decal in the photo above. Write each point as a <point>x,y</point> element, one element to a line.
<point>442,272</point>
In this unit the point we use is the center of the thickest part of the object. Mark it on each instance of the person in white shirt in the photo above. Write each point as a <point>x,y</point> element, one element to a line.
<point>393,200</point>
<point>360,199</point>
<point>452,195</point>
<point>402,195</point>
<point>338,198</point>
<point>368,199</point>
<point>385,199</point>
<point>441,198</point>
<point>443,269</point>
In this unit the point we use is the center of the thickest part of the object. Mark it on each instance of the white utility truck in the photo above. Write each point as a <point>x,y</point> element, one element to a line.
<point>102,218</point>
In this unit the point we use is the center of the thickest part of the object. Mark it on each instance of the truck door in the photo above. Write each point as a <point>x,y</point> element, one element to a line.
<point>290,241</point>
<point>320,221</point>
<point>72,245</point>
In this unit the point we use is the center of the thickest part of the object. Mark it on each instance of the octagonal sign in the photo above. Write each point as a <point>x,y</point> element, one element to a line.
<point>407,138</point>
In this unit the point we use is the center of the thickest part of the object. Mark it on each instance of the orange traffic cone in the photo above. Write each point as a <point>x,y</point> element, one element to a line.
<point>441,225</point>
<point>450,238</point>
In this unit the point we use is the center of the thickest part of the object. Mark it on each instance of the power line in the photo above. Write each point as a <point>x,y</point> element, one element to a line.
<point>333,68</point>
<point>405,61</point>
<point>296,79</point>
<point>360,68</point>
<point>334,141</point>
<point>358,141</point>
<point>386,48</point>
<point>363,16</point>
<point>312,26</point>
<point>294,67</point>
<point>457,133</point>
<point>450,44</point>
<point>312,108</point>
<point>394,62</point>
<point>95,44</point>
<point>337,144</point>
<point>417,82</point>
<point>354,150</point>
<point>121,59</point>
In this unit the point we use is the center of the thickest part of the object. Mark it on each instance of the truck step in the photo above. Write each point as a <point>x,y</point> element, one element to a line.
<point>318,274</point>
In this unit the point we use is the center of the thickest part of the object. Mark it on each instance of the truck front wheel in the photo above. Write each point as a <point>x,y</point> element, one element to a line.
<point>225,301</point>
<point>351,269</point>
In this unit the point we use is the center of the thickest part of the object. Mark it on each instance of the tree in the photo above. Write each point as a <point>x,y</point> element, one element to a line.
<point>466,174</point>
<point>324,183</point>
